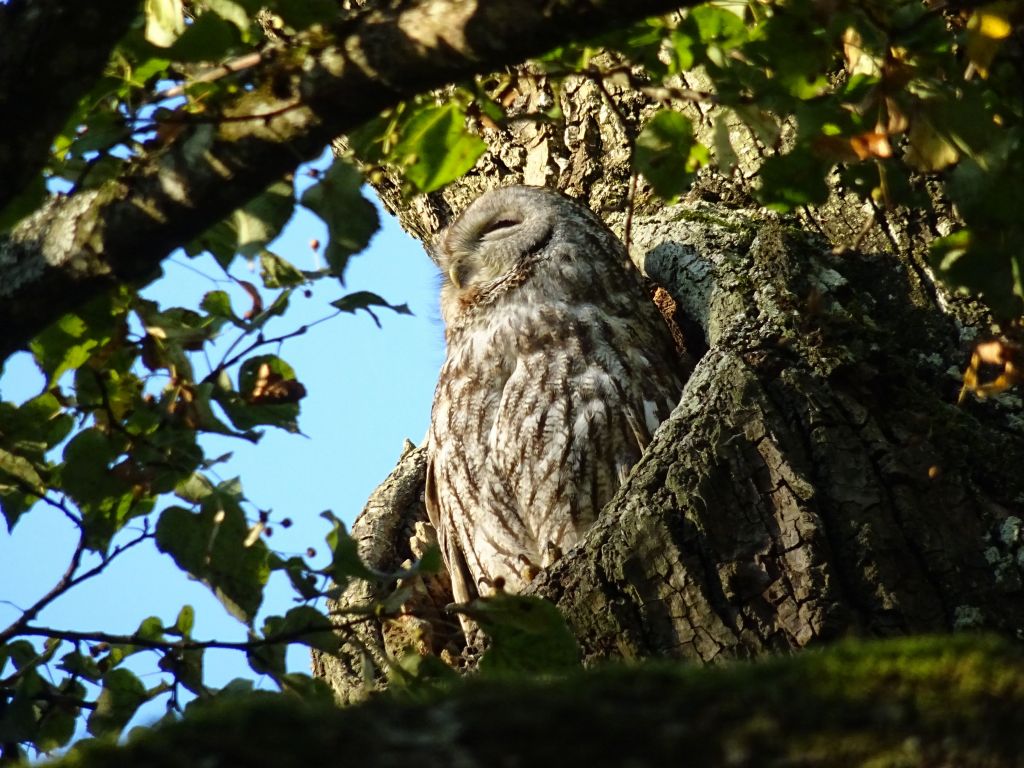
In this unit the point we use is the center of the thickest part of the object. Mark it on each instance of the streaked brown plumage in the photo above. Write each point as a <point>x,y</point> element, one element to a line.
<point>558,371</point>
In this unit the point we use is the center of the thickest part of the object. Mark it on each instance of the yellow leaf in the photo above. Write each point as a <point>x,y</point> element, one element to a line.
<point>929,150</point>
<point>165,21</point>
<point>986,29</point>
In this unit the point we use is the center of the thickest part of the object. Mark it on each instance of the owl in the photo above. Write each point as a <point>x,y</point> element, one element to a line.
<point>558,370</point>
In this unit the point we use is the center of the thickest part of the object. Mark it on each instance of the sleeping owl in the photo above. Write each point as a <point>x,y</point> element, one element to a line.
<point>558,370</point>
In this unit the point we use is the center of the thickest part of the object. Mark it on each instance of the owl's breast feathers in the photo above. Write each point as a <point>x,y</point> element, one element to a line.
<point>558,371</point>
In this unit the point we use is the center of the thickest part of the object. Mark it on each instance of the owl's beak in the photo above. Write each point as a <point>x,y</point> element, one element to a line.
<point>453,276</point>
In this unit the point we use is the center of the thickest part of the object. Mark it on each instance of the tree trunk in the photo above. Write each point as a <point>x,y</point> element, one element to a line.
<point>818,478</point>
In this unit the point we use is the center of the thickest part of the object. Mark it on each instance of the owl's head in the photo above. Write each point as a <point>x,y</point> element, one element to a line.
<point>490,248</point>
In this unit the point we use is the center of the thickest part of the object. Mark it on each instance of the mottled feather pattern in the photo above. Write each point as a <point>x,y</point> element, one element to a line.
<point>558,371</point>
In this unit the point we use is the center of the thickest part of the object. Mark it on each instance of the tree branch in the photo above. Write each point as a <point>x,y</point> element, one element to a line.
<point>51,53</point>
<point>77,247</point>
<point>66,582</point>
<point>187,645</point>
<point>937,701</point>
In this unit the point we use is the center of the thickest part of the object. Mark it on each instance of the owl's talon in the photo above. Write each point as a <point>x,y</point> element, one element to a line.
<point>552,554</point>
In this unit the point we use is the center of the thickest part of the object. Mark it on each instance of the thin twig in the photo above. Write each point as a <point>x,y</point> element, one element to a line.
<point>261,341</point>
<point>230,67</point>
<point>68,581</point>
<point>186,645</point>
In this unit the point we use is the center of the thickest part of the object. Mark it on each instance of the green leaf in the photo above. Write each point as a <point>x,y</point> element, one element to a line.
<point>250,374</point>
<point>300,14</point>
<point>81,665</point>
<point>22,471</point>
<point>123,693</point>
<point>85,475</point>
<point>301,576</point>
<point>435,147</point>
<point>528,635</point>
<point>268,659</point>
<point>277,272</point>
<point>105,496</point>
<point>14,504</point>
<point>987,264</point>
<point>185,621</point>
<point>218,304</point>
<point>345,560</point>
<point>58,722</point>
<point>71,340</point>
<point>351,219</point>
<point>233,12</point>
<point>307,688</point>
<point>718,25</point>
<point>211,546</point>
<point>208,38</point>
<point>363,300</point>
<point>35,426</point>
<point>681,51</point>
<point>261,220</point>
<point>306,625</point>
<point>789,181</point>
<point>187,668</point>
<point>248,229</point>
<point>667,154</point>
<point>268,393</point>
<point>151,628</point>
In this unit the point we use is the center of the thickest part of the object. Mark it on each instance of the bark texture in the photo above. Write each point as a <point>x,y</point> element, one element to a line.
<point>817,479</point>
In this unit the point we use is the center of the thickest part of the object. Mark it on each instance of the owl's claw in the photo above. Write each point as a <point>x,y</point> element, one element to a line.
<point>528,570</point>
<point>552,554</point>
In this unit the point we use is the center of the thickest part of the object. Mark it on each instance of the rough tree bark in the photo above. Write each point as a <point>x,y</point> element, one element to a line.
<point>818,479</point>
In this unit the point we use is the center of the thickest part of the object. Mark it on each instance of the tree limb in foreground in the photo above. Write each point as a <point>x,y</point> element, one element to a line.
<point>925,701</point>
<point>77,247</point>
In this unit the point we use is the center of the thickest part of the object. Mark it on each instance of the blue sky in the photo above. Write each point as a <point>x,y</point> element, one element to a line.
<point>368,389</point>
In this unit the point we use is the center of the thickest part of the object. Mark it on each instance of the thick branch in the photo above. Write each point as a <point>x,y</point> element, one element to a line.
<point>940,701</point>
<point>78,247</point>
<point>51,52</point>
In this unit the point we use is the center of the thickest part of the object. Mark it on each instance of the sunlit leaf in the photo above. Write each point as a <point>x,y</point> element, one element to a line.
<point>436,147</point>
<point>528,635</point>
<point>667,154</point>
<point>209,545</point>
<point>165,21</point>
<point>987,28</point>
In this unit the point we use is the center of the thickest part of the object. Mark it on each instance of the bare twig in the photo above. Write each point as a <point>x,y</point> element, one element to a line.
<point>187,645</point>
<point>229,67</point>
<point>67,581</point>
